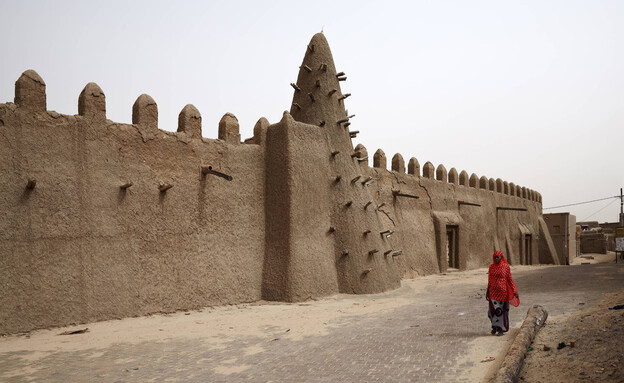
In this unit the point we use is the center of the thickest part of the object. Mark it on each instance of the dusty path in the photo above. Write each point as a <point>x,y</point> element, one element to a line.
<point>595,331</point>
<point>431,329</point>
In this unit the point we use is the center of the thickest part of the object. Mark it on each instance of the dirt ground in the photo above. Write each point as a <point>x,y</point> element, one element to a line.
<point>111,348</point>
<point>593,338</point>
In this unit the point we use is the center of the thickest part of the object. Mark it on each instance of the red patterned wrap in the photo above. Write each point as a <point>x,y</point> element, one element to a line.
<point>501,286</point>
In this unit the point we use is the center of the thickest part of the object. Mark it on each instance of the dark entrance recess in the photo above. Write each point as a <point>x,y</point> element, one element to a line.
<point>526,256</point>
<point>452,248</point>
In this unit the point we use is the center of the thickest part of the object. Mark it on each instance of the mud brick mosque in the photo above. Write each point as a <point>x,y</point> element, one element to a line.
<point>103,220</point>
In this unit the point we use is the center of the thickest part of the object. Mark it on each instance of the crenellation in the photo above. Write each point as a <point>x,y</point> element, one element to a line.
<point>413,167</point>
<point>524,192</point>
<point>379,159</point>
<point>492,184</point>
<point>145,112</point>
<point>190,122</point>
<point>474,181</point>
<point>500,187</point>
<point>464,180</point>
<point>441,174</point>
<point>398,164</point>
<point>30,92</point>
<point>506,187</point>
<point>428,170</point>
<point>453,178</point>
<point>483,183</point>
<point>363,157</point>
<point>229,129</point>
<point>260,129</point>
<point>92,102</point>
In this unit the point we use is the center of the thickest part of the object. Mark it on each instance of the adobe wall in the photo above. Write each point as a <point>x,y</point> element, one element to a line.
<point>562,228</point>
<point>104,220</point>
<point>486,219</point>
<point>298,260</point>
<point>77,247</point>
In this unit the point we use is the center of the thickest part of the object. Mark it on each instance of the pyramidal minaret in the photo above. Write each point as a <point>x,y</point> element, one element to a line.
<point>318,98</point>
<point>324,232</point>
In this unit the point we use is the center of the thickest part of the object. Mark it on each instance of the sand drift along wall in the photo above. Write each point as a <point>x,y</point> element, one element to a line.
<point>102,220</point>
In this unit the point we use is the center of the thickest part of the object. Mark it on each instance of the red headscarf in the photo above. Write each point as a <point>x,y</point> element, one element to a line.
<point>501,286</point>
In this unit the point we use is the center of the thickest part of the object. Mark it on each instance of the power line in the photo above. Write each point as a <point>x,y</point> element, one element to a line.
<point>596,212</point>
<point>580,203</point>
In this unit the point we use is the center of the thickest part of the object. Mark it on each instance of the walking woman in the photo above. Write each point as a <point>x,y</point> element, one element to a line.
<point>501,292</point>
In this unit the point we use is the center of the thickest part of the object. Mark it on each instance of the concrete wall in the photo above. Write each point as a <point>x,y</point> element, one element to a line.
<point>304,215</point>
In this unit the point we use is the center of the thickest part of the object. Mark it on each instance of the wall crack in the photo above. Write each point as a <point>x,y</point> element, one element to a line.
<point>388,215</point>
<point>428,196</point>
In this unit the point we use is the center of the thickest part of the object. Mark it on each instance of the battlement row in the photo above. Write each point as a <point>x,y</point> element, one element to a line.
<point>441,174</point>
<point>30,94</point>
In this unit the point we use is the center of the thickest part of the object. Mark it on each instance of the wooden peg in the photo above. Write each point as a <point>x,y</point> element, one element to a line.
<point>31,184</point>
<point>397,193</point>
<point>207,169</point>
<point>342,79</point>
<point>373,252</point>
<point>337,178</point>
<point>323,67</point>
<point>335,153</point>
<point>163,187</point>
<point>344,96</point>
<point>297,105</point>
<point>365,272</point>
<point>322,123</point>
<point>344,253</point>
<point>349,203</point>
<point>368,204</point>
<point>306,68</point>
<point>332,229</point>
<point>354,133</point>
<point>311,47</point>
<point>126,185</point>
<point>311,97</point>
<point>342,121</point>
<point>387,252</point>
<point>367,232</point>
<point>318,83</point>
<point>340,74</point>
<point>355,179</point>
<point>332,92</point>
<point>295,86</point>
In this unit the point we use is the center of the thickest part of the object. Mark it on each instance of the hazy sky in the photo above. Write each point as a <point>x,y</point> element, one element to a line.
<point>528,91</point>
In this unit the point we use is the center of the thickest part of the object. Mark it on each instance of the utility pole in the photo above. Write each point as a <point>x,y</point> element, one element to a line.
<point>621,208</point>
